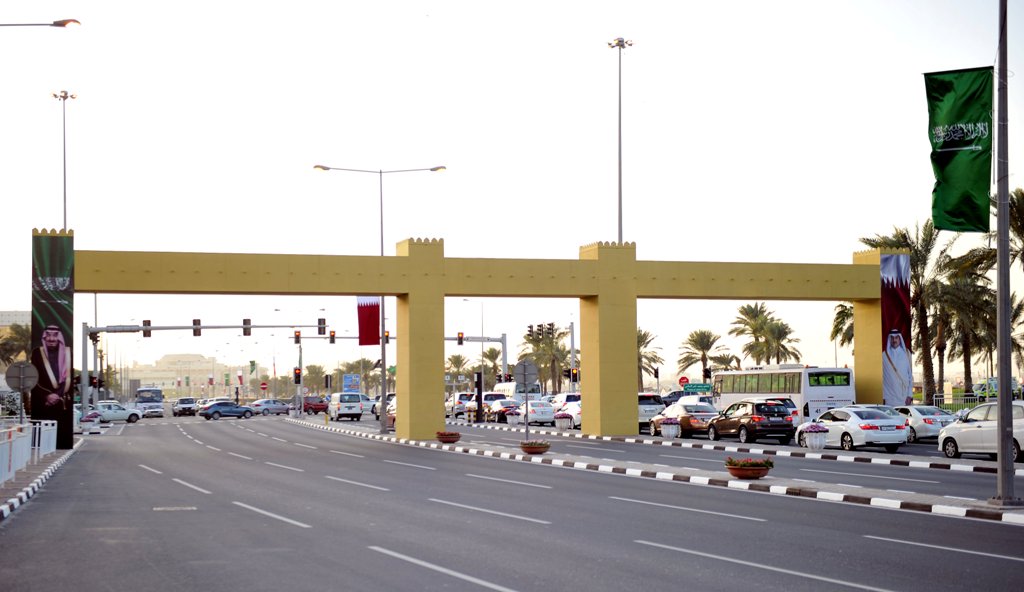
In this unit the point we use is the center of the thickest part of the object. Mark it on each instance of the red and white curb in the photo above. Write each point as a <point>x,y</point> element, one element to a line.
<point>8,507</point>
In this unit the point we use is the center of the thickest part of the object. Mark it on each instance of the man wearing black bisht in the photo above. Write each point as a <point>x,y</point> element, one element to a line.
<point>52,394</point>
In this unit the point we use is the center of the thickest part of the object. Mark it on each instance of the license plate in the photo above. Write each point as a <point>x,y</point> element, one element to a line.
<point>886,428</point>
<point>775,419</point>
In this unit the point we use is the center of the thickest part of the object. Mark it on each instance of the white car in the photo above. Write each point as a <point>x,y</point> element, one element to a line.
<point>648,406</point>
<point>576,411</point>
<point>925,421</point>
<point>538,412</point>
<point>561,399</point>
<point>851,427</point>
<point>115,412</point>
<point>975,432</point>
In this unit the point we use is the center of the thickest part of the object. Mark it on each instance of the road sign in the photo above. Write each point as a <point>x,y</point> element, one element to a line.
<point>683,381</point>
<point>697,387</point>
<point>350,383</point>
<point>263,386</point>
<point>525,372</point>
<point>22,376</point>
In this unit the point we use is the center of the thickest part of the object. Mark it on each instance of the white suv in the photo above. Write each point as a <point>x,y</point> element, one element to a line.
<point>975,432</point>
<point>649,405</point>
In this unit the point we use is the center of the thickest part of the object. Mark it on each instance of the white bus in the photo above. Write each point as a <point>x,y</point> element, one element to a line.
<point>813,390</point>
<point>518,392</point>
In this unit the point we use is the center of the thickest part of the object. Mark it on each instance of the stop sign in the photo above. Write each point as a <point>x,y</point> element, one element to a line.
<point>683,380</point>
<point>263,386</point>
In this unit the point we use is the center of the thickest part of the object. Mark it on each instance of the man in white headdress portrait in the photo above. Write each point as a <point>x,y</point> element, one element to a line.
<point>897,372</point>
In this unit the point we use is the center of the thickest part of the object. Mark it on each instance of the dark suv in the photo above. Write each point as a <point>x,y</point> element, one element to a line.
<point>750,420</point>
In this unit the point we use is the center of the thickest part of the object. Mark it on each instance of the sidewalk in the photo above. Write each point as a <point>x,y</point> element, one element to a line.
<point>29,480</point>
<point>933,504</point>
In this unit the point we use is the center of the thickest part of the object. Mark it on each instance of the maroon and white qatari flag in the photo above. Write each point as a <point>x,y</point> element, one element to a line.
<point>368,308</point>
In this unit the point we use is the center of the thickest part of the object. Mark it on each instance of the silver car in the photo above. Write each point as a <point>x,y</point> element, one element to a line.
<point>925,421</point>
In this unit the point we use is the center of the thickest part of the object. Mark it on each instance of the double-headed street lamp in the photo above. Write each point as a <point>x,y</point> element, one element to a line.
<point>620,44</point>
<point>60,23</point>
<point>63,97</point>
<point>383,343</point>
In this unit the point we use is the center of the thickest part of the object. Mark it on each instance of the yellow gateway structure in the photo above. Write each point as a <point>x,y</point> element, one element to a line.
<point>607,279</point>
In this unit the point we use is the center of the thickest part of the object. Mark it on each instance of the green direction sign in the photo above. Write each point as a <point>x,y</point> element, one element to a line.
<point>698,387</point>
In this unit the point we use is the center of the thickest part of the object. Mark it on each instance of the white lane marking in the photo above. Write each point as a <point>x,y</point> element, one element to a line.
<point>262,434</point>
<point>444,570</point>
<point>213,448</point>
<point>357,483</point>
<point>900,491</point>
<point>249,430</point>
<point>189,437</point>
<point>305,445</point>
<point>186,484</point>
<point>348,454</point>
<point>788,572</point>
<point>595,448</point>
<point>198,442</point>
<point>869,476</point>
<point>710,460</point>
<point>173,508</point>
<point>279,439</point>
<point>508,481</point>
<point>240,456</point>
<point>848,485</point>
<point>486,511</point>
<point>395,462</point>
<point>152,470</point>
<point>270,515</point>
<point>953,549</point>
<point>699,511</point>
<point>284,467</point>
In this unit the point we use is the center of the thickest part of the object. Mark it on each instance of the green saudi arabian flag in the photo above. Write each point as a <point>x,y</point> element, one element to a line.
<point>960,131</point>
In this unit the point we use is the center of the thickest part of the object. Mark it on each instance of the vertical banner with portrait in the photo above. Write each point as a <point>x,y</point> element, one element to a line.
<point>897,359</point>
<point>53,297</point>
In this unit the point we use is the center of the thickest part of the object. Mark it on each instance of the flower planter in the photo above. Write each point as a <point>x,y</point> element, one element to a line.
<point>670,431</point>
<point>513,420</point>
<point>563,423</point>
<point>449,437</point>
<point>748,472</point>
<point>813,440</point>
<point>534,448</point>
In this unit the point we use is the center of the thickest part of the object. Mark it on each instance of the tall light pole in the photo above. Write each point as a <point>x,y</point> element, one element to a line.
<point>383,343</point>
<point>61,23</point>
<point>63,97</point>
<point>620,44</point>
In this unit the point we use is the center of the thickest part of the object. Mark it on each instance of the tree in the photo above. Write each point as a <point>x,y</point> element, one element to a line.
<point>549,355</point>
<point>726,361</point>
<point>842,324</point>
<point>920,244</point>
<point>778,343</point>
<point>697,347</point>
<point>647,357</point>
<point>752,322</point>
<point>491,357</point>
<point>969,300</point>
<point>16,343</point>
<point>314,378</point>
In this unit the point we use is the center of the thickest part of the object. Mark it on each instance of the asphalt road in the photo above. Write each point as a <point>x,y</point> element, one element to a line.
<point>263,504</point>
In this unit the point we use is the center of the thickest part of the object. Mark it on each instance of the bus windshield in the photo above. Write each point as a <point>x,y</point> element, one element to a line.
<point>149,396</point>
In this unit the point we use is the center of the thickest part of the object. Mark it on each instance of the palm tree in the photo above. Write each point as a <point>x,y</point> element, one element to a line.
<point>752,321</point>
<point>697,347</point>
<point>314,377</point>
<point>842,324</point>
<point>984,258</point>
<point>727,361</point>
<point>545,349</point>
<point>491,357</point>
<point>921,245</point>
<point>778,343</point>
<point>16,343</point>
<point>969,301</point>
<point>647,357</point>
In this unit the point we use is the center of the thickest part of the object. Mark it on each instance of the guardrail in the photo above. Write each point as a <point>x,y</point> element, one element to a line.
<point>20,443</point>
<point>960,402</point>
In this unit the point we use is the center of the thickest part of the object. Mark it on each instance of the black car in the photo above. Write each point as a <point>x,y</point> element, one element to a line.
<point>751,420</point>
<point>226,409</point>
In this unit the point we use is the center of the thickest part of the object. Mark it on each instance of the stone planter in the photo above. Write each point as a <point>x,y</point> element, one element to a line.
<point>534,448</point>
<point>670,431</point>
<point>813,440</point>
<point>748,472</point>
<point>563,423</point>
<point>448,437</point>
<point>513,420</point>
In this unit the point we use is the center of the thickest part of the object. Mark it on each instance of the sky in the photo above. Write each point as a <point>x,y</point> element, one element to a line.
<point>752,131</point>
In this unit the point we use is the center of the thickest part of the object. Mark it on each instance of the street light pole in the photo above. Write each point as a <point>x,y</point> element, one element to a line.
<point>620,44</point>
<point>61,23</point>
<point>383,343</point>
<point>63,97</point>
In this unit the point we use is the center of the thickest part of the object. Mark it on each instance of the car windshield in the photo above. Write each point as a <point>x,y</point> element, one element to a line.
<point>572,398</point>
<point>699,408</point>
<point>186,400</point>
<point>649,400</point>
<point>350,398</point>
<point>771,408</point>
<point>932,411</point>
<point>870,414</point>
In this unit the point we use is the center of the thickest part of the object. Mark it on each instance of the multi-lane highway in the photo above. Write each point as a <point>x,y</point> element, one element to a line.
<point>268,504</point>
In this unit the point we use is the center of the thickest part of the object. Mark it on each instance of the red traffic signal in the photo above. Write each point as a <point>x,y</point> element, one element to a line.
<point>146,332</point>
<point>332,336</point>
<point>298,339</point>
<point>460,337</point>
<point>297,372</point>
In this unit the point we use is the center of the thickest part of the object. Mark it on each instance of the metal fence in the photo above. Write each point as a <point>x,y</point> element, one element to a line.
<point>960,403</point>
<point>20,443</point>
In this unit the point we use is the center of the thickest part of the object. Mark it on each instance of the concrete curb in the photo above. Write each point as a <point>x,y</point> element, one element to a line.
<point>7,508</point>
<point>864,497</point>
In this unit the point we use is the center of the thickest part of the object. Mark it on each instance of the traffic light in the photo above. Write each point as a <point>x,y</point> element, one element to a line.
<point>656,373</point>
<point>529,331</point>
<point>298,339</point>
<point>508,378</point>
<point>93,381</point>
<point>247,327</point>
<point>187,380</point>
<point>707,374</point>
<point>146,332</point>
<point>387,337</point>
<point>551,330</point>
<point>327,381</point>
<point>196,327</point>
<point>575,375</point>
<point>565,373</point>
<point>321,326</point>
<point>332,337</point>
<point>297,372</point>
<point>460,337</point>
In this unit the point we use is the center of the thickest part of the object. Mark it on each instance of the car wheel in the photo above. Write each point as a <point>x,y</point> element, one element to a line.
<point>712,433</point>
<point>1016,452</point>
<point>652,428</point>
<point>206,417</point>
<point>785,441</point>
<point>892,447</point>
<point>247,415</point>
<point>266,412</point>
<point>950,449</point>
<point>216,415</point>
<point>911,436</point>
<point>133,418</point>
<point>846,442</point>
<point>745,437</point>
<point>802,441</point>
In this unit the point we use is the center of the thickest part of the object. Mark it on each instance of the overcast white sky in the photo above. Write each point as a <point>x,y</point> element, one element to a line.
<point>752,131</point>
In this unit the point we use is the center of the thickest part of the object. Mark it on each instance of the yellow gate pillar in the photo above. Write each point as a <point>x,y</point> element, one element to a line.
<point>420,388</point>
<point>608,339</point>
